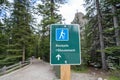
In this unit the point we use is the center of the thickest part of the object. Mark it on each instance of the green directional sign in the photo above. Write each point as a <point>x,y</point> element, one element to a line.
<point>65,44</point>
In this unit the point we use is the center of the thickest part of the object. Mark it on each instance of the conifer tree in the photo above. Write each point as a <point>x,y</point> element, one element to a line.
<point>49,12</point>
<point>21,31</point>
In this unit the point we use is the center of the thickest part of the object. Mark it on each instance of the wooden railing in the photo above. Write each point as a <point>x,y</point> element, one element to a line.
<point>7,69</point>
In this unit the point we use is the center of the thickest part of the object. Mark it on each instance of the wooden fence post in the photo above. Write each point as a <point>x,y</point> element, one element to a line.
<point>4,69</point>
<point>20,63</point>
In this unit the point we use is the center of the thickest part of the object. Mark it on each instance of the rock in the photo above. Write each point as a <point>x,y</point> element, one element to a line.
<point>99,78</point>
<point>96,69</point>
<point>94,73</point>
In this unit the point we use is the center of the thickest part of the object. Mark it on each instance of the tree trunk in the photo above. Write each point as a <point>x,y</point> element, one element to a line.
<point>115,20</point>
<point>104,67</point>
<point>52,9</point>
<point>23,55</point>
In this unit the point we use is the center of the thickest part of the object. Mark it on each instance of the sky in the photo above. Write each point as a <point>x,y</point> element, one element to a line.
<point>69,9</point>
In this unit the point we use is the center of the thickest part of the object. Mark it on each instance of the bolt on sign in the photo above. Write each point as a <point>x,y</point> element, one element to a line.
<point>65,44</point>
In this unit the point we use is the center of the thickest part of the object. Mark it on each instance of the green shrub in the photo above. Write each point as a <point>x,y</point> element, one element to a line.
<point>80,68</point>
<point>113,78</point>
<point>114,75</point>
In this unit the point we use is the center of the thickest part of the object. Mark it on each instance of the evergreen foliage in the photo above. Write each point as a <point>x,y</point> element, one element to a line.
<point>49,12</point>
<point>109,20</point>
<point>19,39</point>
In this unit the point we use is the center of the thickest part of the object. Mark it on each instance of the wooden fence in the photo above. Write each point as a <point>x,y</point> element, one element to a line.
<point>7,69</point>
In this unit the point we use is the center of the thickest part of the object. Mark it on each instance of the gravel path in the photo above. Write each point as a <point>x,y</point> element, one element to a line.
<point>83,76</point>
<point>40,70</point>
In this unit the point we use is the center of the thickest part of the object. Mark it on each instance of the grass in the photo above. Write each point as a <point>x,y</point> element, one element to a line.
<point>113,78</point>
<point>114,75</point>
<point>81,69</point>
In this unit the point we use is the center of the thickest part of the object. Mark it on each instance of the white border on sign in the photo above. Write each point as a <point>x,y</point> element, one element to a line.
<point>79,43</point>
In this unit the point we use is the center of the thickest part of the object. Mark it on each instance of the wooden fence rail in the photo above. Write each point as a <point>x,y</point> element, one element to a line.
<point>7,69</point>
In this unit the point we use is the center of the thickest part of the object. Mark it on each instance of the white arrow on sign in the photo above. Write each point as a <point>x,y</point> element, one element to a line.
<point>58,57</point>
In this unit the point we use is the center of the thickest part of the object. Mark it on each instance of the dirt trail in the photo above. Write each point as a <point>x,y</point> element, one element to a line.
<point>83,76</point>
<point>40,70</point>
